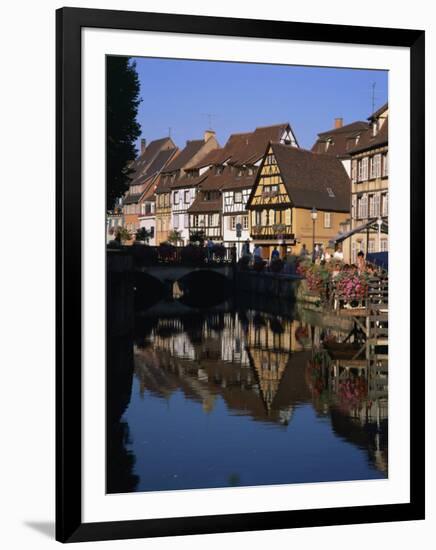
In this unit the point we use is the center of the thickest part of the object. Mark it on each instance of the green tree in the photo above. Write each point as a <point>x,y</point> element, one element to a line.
<point>174,237</point>
<point>122,95</point>
<point>197,237</point>
<point>122,234</point>
<point>143,235</point>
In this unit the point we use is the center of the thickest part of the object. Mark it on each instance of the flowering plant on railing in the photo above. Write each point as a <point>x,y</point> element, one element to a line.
<point>317,276</point>
<point>350,285</point>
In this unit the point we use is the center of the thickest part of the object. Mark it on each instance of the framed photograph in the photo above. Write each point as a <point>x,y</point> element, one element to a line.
<point>240,229</point>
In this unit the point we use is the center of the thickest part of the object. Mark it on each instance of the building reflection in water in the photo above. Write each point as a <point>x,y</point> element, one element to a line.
<point>263,367</point>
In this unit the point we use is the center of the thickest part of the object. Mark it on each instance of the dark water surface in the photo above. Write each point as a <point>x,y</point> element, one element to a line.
<point>236,395</point>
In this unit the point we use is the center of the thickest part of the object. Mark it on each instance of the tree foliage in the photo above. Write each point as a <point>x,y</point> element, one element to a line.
<point>122,128</point>
<point>174,237</point>
<point>143,235</point>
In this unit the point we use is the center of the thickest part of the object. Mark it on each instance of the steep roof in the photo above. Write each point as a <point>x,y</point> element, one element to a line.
<point>199,205</point>
<point>379,112</point>
<point>312,179</point>
<point>183,158</point>
<point>338,142</point>
<point>245,148</point>
<point>141,163</point>
<point>370,141</point>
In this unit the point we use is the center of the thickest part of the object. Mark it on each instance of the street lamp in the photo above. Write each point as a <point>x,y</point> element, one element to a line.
<point>313,215</point>
<point>379,223</point>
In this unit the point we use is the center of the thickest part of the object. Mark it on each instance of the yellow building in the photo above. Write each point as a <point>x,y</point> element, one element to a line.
<point>370,187</point>
<point>290,183</point>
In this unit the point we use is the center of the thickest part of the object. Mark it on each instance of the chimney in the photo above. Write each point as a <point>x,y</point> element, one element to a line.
<point>143,145</point>
<point>208,134</point>
<point>339,122</point>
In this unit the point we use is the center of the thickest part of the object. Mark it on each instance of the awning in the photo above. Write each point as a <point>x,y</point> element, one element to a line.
<point>370,225</point>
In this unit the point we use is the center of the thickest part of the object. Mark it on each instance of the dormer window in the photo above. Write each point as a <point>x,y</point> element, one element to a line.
<point>240,172</point>
<point>250,171</point>
<point>330,192</point>
<point>219,170</point>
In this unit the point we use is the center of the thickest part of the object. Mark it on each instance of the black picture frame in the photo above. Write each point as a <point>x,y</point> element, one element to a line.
<point>69,525</point>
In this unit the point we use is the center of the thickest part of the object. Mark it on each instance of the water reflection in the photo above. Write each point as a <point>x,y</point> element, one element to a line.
<point>235,395</point>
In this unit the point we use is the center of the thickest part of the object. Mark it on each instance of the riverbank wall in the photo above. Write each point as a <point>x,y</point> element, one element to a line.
<point>277,285</point>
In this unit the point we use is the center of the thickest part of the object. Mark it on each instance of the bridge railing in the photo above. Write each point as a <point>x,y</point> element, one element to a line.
<point>145,255</point>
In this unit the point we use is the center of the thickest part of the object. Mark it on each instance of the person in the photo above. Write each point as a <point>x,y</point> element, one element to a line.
<point>246,248</point>
<point>257,253</point>
<point>361,261</point>
<point>304,252</point>
<point>233,253</point>
<point>338,255</point>
<point>275,254</point>
<point>209,245</point>
<point>291,262</point>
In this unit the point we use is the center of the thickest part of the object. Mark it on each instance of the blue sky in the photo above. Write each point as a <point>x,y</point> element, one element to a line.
<point>178,94</point>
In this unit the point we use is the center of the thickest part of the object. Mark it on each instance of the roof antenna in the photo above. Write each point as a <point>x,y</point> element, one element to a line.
<point>169,131</point>
<point>209,119</point>
<point>373,98</point>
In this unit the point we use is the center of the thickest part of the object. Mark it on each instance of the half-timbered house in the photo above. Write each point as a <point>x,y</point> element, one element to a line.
<point>370,187</point>
<point>145,170</point>
<point>176,190</point>
<point>289,184</point>
<point>221,202</point>
<point>340,140</point>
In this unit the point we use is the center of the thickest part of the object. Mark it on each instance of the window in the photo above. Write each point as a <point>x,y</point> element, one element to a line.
<point>384,245</point>
<point>377,166</point>
<point>207,195</point>
<point>237,197</point>
<point>371,206</point>
<point>385,207</point>
<point>176,221</point>
<point>385,167</point>
<point>186,220</point>
<point>327,220</point>
<point>219,170</point>
<point>187,196</point>
<point>176,197</point>
<point>244,222</point>
<point>232,222</point>
<point>250,171</point>
<point>330,192</point>
<point>195,220</point>
<point>371,245</point>
<point>258,217</point>
<point>362,206</point>
<point>376,205</point>
<point>240,172</point>
<point>152,232</point>
<point>365,168</point>
<point>371,168</point>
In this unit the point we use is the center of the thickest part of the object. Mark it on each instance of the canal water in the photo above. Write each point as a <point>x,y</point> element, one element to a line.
<point>239,393</point>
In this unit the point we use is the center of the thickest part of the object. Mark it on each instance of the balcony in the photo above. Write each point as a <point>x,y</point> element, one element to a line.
<point>275,232</point>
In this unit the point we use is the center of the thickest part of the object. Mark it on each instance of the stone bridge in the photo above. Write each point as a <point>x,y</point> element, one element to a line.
<point>170,272</point>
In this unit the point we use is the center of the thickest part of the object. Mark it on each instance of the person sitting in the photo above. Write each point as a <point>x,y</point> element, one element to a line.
<point>275,254</point>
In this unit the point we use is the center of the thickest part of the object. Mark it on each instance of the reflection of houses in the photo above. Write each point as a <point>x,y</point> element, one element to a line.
<point>221,202</point>
<point>145,170</point>
<point>291,182</point>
